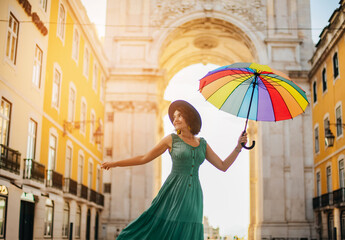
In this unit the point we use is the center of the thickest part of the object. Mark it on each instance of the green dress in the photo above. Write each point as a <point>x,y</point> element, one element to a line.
<point>177,211</point>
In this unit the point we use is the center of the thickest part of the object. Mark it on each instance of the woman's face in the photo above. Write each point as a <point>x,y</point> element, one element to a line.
<point>179,122</point>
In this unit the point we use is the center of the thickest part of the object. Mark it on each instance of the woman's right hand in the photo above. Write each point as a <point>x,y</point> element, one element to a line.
<point>107,165</point>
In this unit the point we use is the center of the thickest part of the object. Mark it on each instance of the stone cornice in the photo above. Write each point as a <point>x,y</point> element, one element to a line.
<point>134,106</point>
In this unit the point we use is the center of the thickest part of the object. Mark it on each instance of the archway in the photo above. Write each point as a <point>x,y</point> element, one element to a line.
<point>151,42</point>
<point>205,41</point>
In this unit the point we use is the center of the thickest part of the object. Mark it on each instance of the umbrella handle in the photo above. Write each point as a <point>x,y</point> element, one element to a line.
<point>244,146</point>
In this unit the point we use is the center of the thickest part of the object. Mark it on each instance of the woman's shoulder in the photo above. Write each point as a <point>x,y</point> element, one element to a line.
<point>203,140</point>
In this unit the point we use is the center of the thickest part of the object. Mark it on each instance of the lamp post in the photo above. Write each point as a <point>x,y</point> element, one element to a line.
<point>69,126</point>
<point>98,134</point>
<point>329,136</point>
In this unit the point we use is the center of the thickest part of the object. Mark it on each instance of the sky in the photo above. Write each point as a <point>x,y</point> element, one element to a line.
<point>226,195</point>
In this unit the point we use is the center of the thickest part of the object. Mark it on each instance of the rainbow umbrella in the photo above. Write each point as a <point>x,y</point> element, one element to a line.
<point>253,91</point>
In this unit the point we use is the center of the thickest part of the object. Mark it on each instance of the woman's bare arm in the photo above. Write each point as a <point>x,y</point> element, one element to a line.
<point>159,149</point>
<point>215,160</point>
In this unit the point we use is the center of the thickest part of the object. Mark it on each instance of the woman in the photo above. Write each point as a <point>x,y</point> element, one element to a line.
<point>177,211</point>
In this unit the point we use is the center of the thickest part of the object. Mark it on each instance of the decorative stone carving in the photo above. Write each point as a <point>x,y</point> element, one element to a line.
<point>253,11</point>
<point>136,106</point>
<point>205,42</point>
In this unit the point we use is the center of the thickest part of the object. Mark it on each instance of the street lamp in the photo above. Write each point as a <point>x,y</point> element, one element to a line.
<point>329,137</point>
<point>69,126</point>
<point>98,135</point>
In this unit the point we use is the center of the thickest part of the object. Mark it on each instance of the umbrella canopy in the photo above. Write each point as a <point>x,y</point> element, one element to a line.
<point>253,91</point>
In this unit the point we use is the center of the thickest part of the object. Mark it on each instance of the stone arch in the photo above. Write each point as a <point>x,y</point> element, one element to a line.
<point>151,41</point>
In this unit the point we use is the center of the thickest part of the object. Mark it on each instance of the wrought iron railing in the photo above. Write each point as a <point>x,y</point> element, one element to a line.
<point>33,170</point>
<point>92,195</point>
<point>339,196</point>
<point>9,159</point>
<point>100,199</point>
<point>54,179</point>
<point>82,191</point>
<point>327,199</point>
<point>70,186</point>
<point>316,202</point>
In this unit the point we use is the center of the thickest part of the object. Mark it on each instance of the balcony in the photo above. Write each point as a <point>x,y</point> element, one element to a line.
<point>339,196</point>
<point>33,170</point>
<point>70,186</point>
<point>82,191</point>
<point>100,199</point>
<point>54,179</point>
<point>9,159</point>
<point>316,202</point>
<point>92,195</point>
<point>327,199</point>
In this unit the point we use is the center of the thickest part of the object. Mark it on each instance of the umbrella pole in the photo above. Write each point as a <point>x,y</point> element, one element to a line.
<point>250,104</point>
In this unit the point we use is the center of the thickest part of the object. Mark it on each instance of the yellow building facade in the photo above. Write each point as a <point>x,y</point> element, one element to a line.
<point>72,124</point>
<point>327,79</point>
<point>53,72</point>
<point>23,53</point>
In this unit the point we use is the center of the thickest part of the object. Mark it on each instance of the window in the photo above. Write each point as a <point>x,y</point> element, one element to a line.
<point>71,105</point>
<point>61,22</point>
<point>83,117</point>
<point>324,80</point>
<point>43,4</point>
<point>68,162</point>
<point>12,39</point>
<point>65,220</point>
<point>339,121</point>
<point>94,78</point>
<point>92,127</point>
<point>77,222</point>
<point>314,92</point>
<point>86,62</point>
<point>318,184</point>
<point>5,116</point>
<point>326,128</point>
<point>31,147</point>
<point>80,169</point>
<point>101,90</point>
<point>3,207</point>
<point>335,65</point>
<point>90,175</point>
<point>341,174</point>
<point>329,179</point>
<point>109,152</point>
<point>75,46</point>
<point>56,88</point>
<point>48,218</point>
<point>52,152</point>
<point>36,75</point>
<point>316,133</point>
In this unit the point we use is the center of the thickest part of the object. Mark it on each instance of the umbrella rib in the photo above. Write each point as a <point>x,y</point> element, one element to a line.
<point>291,94</point>
<point>245,94</point>
<point>244,75</point>
<point>263,81</point>
<point>282,98</point>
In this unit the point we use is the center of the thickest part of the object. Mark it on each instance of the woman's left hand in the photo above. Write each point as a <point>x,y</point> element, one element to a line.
<point>242,139</point>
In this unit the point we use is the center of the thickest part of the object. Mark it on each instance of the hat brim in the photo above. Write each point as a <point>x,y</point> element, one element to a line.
<point>176,104</point>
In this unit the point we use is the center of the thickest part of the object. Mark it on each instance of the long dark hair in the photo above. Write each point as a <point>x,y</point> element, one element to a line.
<point>190,119</point>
